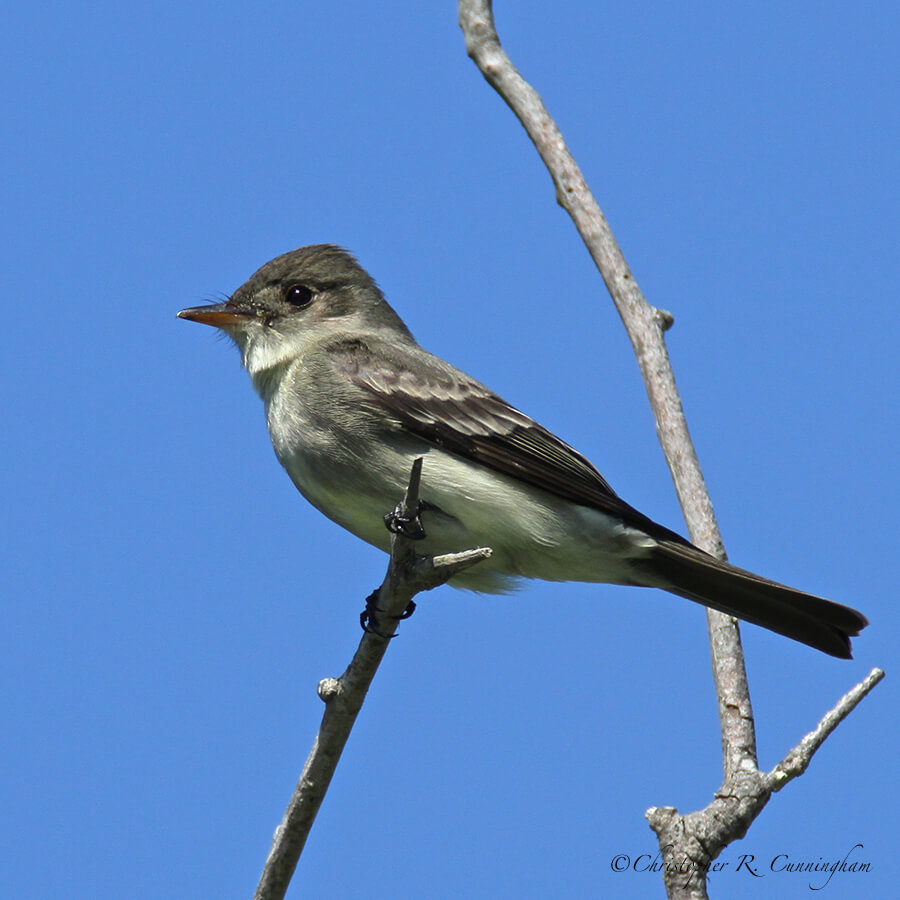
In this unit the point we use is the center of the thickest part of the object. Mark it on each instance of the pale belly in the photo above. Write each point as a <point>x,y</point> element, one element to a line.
<point>533,534</point>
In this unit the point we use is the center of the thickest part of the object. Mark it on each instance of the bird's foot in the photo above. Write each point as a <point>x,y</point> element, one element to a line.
<point>368,616</point>
<point>409,526</point>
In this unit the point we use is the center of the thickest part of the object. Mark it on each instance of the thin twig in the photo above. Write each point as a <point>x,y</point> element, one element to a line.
<point>799,757</point>
<point>407,575</point>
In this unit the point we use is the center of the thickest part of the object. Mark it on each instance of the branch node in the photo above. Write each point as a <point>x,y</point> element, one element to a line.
<point>664,318</point>
<point>328,689</point>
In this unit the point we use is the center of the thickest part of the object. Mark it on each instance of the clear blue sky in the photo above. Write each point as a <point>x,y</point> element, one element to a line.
<point>170,602</point>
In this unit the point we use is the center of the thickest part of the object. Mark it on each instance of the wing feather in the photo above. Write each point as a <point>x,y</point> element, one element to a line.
<point>451,410</point>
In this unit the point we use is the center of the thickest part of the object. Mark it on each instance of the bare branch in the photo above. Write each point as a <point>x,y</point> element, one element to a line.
<point>797,760</point>
<point>699,837</point>
<point>645,326</point>
<point>407,575</point>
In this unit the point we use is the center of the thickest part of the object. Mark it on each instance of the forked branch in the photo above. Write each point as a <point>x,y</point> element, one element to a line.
<point>699,837</point>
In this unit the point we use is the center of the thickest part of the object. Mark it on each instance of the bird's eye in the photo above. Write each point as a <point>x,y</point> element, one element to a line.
<point>298,295</point>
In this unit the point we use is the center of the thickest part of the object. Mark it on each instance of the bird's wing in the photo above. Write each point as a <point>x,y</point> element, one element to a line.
<point>449,409</point>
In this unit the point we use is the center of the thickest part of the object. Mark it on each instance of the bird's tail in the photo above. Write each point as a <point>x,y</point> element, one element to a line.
<point>689,572</point>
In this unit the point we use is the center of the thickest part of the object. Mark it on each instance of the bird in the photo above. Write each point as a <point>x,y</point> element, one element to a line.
<point>351,399</point>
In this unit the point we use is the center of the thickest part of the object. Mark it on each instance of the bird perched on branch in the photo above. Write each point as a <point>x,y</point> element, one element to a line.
<point>351,400</point>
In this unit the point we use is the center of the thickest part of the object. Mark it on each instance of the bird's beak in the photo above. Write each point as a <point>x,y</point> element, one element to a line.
<point>219,315</point>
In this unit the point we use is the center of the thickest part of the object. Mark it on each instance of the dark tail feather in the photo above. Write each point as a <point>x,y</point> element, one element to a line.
<point>689,572</point>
